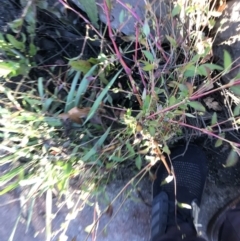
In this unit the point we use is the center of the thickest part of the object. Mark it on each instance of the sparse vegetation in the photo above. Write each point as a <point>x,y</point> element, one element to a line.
<point>126,103</point>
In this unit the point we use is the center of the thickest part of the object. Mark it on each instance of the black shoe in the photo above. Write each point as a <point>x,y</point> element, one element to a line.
<point>190,171</point>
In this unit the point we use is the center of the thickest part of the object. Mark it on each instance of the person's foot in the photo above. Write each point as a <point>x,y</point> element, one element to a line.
<point>190,171</point>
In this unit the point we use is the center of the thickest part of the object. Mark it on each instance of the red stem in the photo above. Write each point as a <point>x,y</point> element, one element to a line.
<point>119,56</point>
<point>140,21</point>
<point>205,132</point>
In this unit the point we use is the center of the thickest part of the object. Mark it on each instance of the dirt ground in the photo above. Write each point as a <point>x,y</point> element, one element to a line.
<point>131,216</point>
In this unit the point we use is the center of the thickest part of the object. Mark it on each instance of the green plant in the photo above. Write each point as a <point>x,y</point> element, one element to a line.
<point>52,135</point>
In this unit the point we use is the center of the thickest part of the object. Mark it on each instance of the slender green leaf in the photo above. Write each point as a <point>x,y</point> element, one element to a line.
<point>122,16</point>
<point>214,119</point>
<point>70,98</point>
<point>9,67</point>
<point>232,158</point>
<point>47,103</point>
<point>90,8</point>
<point>80,65</point>
<point>30,214</point>
<point>213,66</point>
<point>183,88</point>
<point>202,70</point>
<point>190,115</point>
<point>138,162</point>
<point>176,10</point>
<point>9,188</point>
<point>166,150</point>
<point>146,28</point>
<point>190,70</point>
<point>83,85</point>
<point>146,103</point>
<point>227,60</point>
<point>130,148</point>
<point>218,143</point>
<point>16,25</point>
<point>11,237</point>
<point>148,55</point>
<point>148,67</point>
<point>172,100</point>
<point>11,174</point>
<point>96,146</point>
<point>40,87</point>
<point>197,106</point>
<point>100,97</point>
<point>16,44</point>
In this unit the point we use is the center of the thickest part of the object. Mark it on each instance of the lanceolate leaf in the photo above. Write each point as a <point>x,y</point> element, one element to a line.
<point>96,146</point>
<point>214,119</point>
<point>101,96</point>
<point>176,10</point>
<point>148,55</point>
<point>84,85</point>
<point>227,61</point>
<point>232,158</point>
<point>146,28</point>
<point>90,8</point>
<point>220,141</point>
<point>197,106</point>
<point>70,98</point>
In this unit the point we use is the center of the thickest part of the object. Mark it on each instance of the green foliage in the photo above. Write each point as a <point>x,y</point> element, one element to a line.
<point>98,101</point>
<point>232,158</point>
<point>90,8</point>
<point>47,148</point>
<point>176,10</point>
<point>227,61</point>
<point>146,28</point>
<point>197,106</point>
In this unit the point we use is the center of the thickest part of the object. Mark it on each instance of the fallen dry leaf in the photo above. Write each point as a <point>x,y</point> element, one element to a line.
<point>211,104</point>
<point>75,114</point>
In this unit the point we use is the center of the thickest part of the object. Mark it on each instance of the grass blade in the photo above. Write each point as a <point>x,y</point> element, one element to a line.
<point>9,175</point>
<point>40,87</point>
<point>83,85</point>
<point>30,215</point>
<point>14,228</point>
<point>69,103</point>
<point>227,61</point>
<point>100,97</point>
<point>96,146</point>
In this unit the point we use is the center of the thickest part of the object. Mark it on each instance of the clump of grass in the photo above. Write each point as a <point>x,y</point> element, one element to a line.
<point>77,129</point>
